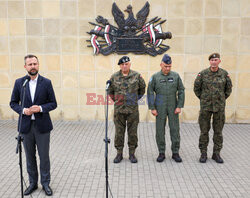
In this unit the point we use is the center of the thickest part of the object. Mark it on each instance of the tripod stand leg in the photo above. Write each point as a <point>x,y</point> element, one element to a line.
<point>19,149</point>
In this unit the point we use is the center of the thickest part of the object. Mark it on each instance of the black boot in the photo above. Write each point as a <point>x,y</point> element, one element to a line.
<point>217,158</point>
<point>161,157</point>
<point>176,157</point>
<point>132,158</point>
<point>203,158</point>
<point>118,158</point>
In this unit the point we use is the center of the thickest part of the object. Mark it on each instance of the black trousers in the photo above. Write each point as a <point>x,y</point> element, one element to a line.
<point>32,140</point>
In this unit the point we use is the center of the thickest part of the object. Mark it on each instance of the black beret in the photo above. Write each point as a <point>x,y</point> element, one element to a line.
<point>214,55</point>
<point>166,59</point>
<point>123,59</point>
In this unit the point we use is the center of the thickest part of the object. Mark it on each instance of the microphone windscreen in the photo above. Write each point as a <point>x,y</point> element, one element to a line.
<point>27,78</point>
<point>108,82</point>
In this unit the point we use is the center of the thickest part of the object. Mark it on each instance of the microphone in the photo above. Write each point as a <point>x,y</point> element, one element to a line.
<point>27,79</point>
<point>108,83</point>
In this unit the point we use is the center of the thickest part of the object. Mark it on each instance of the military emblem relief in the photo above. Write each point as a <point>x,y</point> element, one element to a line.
<point>135,35</point>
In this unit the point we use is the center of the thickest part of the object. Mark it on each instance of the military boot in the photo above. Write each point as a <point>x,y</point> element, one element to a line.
<point>176,157</point>
<point>132,158</point>
<point>203,158</point>
<point>118,158</point>
<point>217,158</point>
<point>161,157</point>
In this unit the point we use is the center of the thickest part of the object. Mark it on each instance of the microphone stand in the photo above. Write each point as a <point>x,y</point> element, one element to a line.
<point>19,139</point>
<point>107,141</point>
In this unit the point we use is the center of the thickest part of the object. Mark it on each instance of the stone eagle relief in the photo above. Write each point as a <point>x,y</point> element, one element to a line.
<point>132,34</point>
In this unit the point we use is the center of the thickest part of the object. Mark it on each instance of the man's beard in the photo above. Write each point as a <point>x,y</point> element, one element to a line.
<point>33,73</point>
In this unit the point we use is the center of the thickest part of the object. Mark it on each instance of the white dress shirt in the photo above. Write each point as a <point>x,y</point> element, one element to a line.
<point>32,85</point>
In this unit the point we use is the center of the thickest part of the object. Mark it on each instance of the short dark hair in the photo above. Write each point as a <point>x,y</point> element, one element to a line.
<point>30,56</point>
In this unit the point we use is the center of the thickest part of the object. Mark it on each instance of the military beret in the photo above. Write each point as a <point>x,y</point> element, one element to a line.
<point>123,59</point>
<point>166,59</point>
<point>214,55</point>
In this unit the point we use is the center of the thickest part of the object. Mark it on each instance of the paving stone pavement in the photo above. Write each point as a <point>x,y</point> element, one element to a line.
<point>78,164</point>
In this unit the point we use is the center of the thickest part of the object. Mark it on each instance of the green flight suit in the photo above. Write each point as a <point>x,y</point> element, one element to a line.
<point>125,91</point>
<point>212,88</point>
<point>165,93</point>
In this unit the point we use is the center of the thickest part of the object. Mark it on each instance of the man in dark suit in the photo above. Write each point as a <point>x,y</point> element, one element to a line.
<point>36,123</point>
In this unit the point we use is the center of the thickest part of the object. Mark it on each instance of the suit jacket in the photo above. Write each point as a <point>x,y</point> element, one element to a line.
<point>44,97</point>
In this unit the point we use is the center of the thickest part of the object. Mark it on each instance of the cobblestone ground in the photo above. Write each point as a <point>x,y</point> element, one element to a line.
<point>78,164</point>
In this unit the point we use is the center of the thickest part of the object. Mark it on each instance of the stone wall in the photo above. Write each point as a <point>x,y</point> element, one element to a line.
<point>56,32</point>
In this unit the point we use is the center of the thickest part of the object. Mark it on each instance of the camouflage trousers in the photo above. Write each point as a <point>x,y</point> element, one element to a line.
<point>205,125</point>
<point>122,120</point>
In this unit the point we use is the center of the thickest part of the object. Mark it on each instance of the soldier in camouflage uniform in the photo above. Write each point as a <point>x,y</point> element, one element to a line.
<point>212,86</point>
<point>166,85</point>
<point>127,87</point>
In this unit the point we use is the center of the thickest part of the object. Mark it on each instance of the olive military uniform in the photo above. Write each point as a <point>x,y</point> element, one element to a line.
<point>212,88</point>
<point>162,95</point>
<point>125,91</point>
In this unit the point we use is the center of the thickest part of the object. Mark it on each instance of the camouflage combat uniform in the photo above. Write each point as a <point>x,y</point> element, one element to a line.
<point>162,95</point>
<point>125,91</point>
<point>212,88</point>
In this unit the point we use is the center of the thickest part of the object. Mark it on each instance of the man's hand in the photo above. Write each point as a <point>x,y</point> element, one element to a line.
<point>27,111</point>
<point>177,110</point>
<point>35,109</point>
<point>154,112</point>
